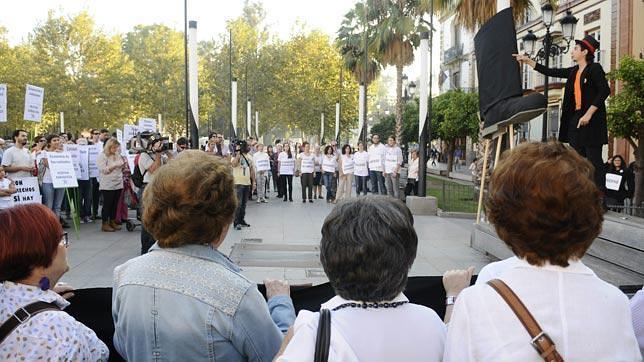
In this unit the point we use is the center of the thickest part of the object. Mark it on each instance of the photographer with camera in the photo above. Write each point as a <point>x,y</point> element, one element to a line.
<point>244,175</point>
<point>156,153</point>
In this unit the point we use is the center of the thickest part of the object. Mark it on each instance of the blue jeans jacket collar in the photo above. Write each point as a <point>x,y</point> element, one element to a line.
<point>201,251</point>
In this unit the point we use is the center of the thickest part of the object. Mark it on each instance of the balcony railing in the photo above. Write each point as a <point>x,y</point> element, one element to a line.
<point>452,53</point>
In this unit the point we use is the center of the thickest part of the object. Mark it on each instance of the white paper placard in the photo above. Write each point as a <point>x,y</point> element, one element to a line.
<point>375,162</point>
<point>28,191</point>
<point>328,164</point>
<point>361,167</point>
<point>62,171</point>
<point>3,102</point>
<point>613,181</point>
<point>347,165</point>
<point>93,152</point>
<point>34,97</point>
<point>130,162</point>
<point>391,163</point>
<point>262,163</point>
<point>119,136</point>
<point>129,132</point>
<point>83,153</point>
<point>287,166</point>
<point>308,164</point>
<point>147,124</point>
<point>74,151</point>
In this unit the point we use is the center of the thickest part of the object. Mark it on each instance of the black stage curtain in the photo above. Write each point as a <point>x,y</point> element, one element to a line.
<point>93,306</point>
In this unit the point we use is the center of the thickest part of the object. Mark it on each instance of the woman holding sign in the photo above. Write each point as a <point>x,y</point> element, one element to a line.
<point>286,167</point>
<point>110,163</point>
<point>263,168</point>
<point>307,169</point>
<point>51,197</point>
<point>329,166</point>
<point>361,169</point>
<point>346,168</point>
<point>619,182</point>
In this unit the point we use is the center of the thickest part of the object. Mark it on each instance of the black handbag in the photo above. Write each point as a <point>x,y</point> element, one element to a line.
<point>323,339</point>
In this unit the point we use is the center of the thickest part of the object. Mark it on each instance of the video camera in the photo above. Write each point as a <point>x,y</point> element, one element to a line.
<point>241,145</point>
<point>146,140</point>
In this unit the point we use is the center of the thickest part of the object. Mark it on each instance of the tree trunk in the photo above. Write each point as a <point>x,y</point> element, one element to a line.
<point>451,144</point>
<point>399,103</point>
<point>638,196</point>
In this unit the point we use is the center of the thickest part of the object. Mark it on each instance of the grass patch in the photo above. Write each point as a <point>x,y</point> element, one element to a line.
<point>452,196</point>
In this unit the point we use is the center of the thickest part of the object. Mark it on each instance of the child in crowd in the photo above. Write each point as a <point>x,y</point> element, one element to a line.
<point>7,189</point>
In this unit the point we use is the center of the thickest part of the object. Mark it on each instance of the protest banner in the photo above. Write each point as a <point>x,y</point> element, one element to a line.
<point>34,97</point>
<point>119,136</point>
<point>74,151</point>
<point>147,124</point>
<point>62,171</point>
<point>28,191</point>
<point>93,152</point>
<point>129,132</point>
<point>83,152</point>
<point>3,102</point>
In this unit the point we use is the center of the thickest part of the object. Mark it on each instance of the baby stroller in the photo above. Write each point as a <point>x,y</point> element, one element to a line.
<point>129,200</point>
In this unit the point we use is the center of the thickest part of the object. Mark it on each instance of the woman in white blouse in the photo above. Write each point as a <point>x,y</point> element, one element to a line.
<point>345,169</point>
<point>109,164</point>
<point>545,206</point>
<point>371,319</point>
<point>361,169</point>
<point>286,169</point>
<point>329,167</point>
<point>33,259</point>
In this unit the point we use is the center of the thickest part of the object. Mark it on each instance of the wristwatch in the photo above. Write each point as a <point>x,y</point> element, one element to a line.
<point>450,300</point>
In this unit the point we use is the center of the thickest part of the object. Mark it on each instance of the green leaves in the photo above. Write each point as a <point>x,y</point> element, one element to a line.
<point>454,115</point>
<point>625,108</point>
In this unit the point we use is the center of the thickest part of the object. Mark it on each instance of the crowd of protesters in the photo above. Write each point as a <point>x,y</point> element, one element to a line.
<point>200,307</point>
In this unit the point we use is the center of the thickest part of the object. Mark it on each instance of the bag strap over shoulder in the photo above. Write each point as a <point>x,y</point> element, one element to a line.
<point>22,315</point>
<point>540,340</point>
<point>323,339</point>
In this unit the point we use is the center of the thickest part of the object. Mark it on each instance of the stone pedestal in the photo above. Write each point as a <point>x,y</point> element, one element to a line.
<point>422,205</point>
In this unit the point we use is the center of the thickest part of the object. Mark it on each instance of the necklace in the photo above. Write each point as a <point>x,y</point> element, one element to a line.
<point>370,305</point>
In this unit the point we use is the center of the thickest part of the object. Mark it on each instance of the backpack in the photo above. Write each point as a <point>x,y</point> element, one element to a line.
<point>137,176</point>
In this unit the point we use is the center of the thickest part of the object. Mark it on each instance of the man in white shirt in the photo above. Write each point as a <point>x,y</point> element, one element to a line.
<point>393,161</point>
<point>17,160</point>
<point>377,165</point>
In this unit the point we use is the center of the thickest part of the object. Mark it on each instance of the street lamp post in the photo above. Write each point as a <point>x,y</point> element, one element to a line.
<point>549,49</point>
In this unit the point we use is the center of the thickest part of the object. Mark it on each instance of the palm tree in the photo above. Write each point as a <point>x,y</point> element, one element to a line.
<point>351,42</point>
<point>471,14</point>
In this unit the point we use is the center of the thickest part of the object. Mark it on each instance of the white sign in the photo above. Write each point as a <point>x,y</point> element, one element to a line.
<point>328,164</point>
<point>74,151</point>
<point>361,161</point>
<point>147,124</point>
<point>62,171</point>
<point>308,164</point>
<point>287,166</point>
<point>119,136</point>
<point>93,152</point>
<point>83,152</point>
<point>3,102</point>
<point>613,181</point>
<point>391,163</point>
<point>130,162</point>
<point>262,162</point>
<point>34,97</point>
<point>375,162</point>
<point>129,131</point>
<point>28,191</point>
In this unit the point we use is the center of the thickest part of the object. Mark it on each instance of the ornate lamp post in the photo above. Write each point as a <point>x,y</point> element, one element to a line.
<point>549,48</point>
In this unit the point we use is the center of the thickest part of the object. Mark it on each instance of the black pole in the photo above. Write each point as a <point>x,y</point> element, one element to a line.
<point>194,131</point>
<point>364,78</point>
<point>231,132</point>
<point>185,61</point>
<point>547,44</point>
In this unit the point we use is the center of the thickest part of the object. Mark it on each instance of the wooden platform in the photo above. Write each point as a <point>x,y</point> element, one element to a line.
<point>616,256</point>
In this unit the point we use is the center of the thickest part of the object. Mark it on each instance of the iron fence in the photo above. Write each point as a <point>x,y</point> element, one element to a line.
<point>453,196</point>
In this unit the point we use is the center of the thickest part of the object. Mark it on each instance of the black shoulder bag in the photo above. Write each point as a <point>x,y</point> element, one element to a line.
<point>22,315</point>
<point>323,339</point>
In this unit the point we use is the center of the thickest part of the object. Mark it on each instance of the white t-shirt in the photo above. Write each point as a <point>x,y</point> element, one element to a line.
<point>287,165</point>
<point>377,157</point>
<point>262,161</point>
<point>329,163</point>
<point>361,163</point>
<point>46,178</point>
<point>393,159</point>
<point>16,157</point>
<point>409,332</point>
<point>348,165</point>
<point>5,201</point>
<point>587,318</point>
<point>308,163</point>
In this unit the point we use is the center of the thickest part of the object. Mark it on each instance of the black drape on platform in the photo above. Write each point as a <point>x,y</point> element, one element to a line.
<point>93,307</point>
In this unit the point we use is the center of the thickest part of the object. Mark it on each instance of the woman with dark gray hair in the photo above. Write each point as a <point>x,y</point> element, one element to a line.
<point>368,246</point>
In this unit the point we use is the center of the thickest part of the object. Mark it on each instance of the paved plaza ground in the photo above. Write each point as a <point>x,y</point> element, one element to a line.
<point>282,243</point>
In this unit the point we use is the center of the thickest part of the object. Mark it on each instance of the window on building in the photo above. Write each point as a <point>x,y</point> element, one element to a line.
<point>456,79</point>
<point>527,76</point>
<point>456,35</point>
<point>595,33</point>
<point>553,121</point>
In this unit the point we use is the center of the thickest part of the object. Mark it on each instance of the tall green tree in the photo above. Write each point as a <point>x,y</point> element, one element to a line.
<point>626,115</point>
<point>455,115</point>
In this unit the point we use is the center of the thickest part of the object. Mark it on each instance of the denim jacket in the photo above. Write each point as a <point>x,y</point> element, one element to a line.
<point>191,303</point>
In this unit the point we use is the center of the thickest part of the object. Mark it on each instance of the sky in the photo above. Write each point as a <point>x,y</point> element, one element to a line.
<point>120,16</point>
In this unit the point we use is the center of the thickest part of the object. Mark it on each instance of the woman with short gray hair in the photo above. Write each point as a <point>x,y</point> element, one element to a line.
<point>368,246</point>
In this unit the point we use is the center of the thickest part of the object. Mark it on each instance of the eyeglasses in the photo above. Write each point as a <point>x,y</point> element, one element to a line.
<point>65,239</point>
